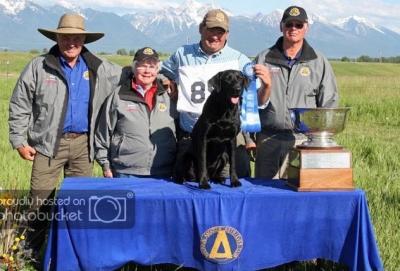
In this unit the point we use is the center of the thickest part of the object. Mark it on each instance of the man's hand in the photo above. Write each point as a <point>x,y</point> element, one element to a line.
<point>172,89</point>
<point>27,152</point>
<point>107,173</point>
<point>264,75</point>
<point>251,150</point>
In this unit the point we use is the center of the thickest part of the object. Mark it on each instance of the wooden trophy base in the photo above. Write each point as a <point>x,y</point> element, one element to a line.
<point>313,169</point>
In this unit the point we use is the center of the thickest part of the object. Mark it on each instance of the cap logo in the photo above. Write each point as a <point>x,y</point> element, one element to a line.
<point>148,51</point>
<point>220,17</point>
<point>294,12</point>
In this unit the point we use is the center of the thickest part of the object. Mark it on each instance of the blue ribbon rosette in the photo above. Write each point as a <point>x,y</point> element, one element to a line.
<point>249,116</point>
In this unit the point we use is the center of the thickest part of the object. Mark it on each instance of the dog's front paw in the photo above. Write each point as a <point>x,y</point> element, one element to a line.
<point>204,185</point>
<point>179,180</point>
<point>235,183</point>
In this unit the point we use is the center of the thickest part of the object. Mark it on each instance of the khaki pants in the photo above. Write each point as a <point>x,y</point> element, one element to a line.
<point>72,157</point>
<point>272,154</point>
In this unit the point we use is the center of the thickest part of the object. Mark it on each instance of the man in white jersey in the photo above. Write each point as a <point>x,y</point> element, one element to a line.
<point>191,66</point>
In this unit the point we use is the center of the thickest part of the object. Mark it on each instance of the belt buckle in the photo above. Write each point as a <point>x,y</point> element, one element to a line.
<point>70,136</point>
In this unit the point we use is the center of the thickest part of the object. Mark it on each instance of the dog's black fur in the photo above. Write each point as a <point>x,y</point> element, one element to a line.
<point>214,134</point>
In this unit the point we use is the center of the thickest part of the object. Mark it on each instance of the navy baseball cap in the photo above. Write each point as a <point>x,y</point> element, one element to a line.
<point>146,53</point>
<point>294,13</point>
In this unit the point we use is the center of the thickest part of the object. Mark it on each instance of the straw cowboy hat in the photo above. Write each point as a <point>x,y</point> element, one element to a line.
<point>71,23</point>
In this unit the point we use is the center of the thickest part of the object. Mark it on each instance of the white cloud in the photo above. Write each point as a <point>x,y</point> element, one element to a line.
<point>378,11</point>
<point>122,6</point>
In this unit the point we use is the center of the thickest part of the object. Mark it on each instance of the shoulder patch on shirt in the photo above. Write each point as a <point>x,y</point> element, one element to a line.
<point>85,75</point>
<point>305,71</point>
<point>162,107</point>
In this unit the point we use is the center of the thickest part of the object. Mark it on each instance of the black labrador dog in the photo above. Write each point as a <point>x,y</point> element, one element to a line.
<point>214,134</point>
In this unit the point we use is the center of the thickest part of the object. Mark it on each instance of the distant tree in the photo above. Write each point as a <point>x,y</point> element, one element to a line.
<point>45,51</point>
<point>122,52</point>
<point>132,52</point>
<point>364,58</point>
<point>34,51</point>
<point>345,59</point>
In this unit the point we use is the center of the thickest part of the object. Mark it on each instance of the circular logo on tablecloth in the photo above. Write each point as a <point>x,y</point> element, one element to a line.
<point>221,244</point>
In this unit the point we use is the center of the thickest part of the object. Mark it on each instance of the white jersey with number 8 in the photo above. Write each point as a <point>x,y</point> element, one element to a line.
<point>193,89</point>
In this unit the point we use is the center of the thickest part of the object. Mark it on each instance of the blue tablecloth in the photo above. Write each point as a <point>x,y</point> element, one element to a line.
<point>259,225</point>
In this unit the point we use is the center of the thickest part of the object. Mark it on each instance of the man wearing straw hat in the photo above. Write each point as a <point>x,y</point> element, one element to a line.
<point>54,107</point>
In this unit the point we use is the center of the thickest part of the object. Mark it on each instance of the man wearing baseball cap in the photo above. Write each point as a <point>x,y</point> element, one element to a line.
<point>136,137</point>
<point>301,77</point>
<point>191,66</point>
<point>53,111</point>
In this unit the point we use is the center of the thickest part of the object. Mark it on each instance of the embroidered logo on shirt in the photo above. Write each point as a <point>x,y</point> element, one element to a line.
<point>162,107</point>
<point>305,71</point>
<point>85,75</point>
<point>294,12</point>
<point>51,79</point>
<point>273,70</point>
<point>132,107</point>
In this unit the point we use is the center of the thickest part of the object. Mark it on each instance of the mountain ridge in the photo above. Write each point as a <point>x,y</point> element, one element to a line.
<point>172,27</point>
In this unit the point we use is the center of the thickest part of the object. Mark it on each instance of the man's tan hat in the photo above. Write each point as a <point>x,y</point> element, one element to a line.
<point>71,23</point>
<point>216,18</point>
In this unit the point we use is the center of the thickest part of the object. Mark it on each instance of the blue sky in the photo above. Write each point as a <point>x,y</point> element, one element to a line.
<point>381,12</point>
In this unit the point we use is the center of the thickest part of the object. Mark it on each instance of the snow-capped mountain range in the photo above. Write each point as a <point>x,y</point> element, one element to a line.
<point>167,29</point>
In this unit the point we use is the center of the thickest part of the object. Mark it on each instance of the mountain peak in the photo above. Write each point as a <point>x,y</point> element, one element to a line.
<point>359,25</point>
<point>270,19</point>
<point>69,6</point>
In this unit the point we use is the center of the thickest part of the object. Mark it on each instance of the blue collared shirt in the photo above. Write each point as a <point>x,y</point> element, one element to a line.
<point>77,115</point>
<point>192,55</point>
<point>292,61</point>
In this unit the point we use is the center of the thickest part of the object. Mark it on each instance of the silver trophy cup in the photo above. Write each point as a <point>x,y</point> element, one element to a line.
<point>320,125</point>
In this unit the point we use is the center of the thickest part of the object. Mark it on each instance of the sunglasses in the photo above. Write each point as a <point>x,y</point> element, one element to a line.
<point>296,25</point>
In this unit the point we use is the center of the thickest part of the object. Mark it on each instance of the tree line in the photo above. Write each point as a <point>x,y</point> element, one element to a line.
<point>363,58</point>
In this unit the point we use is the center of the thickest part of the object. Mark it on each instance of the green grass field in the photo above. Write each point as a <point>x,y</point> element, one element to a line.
<point>372,90</point>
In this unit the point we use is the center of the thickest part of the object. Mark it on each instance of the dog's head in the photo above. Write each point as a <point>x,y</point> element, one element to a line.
<point>229,83</point>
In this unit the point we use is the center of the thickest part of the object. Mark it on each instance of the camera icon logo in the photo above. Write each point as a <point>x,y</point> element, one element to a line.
<point>107,209</point>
